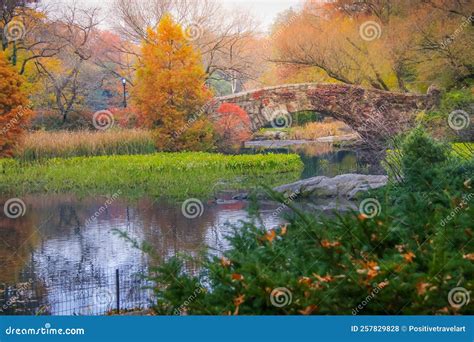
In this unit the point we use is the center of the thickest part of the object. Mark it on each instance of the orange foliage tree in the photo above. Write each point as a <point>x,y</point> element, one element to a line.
<point>232,126</point>
<point>13,107</point>
<point>170,85</point>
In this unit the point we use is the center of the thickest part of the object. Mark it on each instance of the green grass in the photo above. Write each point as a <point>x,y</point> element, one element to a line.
<point>161,175</point>
<point>464,150</point>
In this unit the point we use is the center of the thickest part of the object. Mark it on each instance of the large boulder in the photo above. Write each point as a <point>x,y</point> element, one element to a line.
<point>346,186</point>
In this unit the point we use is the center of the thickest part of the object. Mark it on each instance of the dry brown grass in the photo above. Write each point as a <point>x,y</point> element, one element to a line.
<point>315,130</point>
<point>43,145</point>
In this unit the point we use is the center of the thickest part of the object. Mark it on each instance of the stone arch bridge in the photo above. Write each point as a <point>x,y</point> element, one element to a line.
<point>370,112</point>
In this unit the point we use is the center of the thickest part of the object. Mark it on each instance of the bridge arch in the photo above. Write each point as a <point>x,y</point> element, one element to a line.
<point>370,112</point>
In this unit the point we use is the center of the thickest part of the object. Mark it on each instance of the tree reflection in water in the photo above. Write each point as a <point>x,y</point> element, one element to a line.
<point>68,261</point>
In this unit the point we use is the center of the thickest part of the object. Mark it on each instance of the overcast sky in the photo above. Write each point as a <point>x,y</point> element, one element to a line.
<point>265,11</point>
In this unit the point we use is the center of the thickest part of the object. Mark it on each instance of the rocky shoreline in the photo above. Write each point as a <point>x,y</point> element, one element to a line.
<point>345,186</point>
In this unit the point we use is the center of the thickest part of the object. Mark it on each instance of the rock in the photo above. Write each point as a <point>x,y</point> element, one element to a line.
<point>347,186</point>
<point>330,205</point>
<point>241,197</point>
<point>343,186</point>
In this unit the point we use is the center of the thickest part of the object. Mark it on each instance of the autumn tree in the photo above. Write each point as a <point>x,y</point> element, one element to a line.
<point>388,45</point>
<point>52,47</point>
<point>68,81</point>
<point>170,81</point>
<point>226,39</point>
<point>13,107</point>
<point>10,11</point>
<point>233,126</point>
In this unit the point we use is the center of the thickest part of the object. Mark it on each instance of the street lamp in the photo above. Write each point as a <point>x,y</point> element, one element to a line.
<point>124,82</point>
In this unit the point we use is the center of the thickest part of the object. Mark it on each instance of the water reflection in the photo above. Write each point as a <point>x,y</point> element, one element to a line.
<point>69,261</point>
<point>323,159</point>
<point>68,264</point>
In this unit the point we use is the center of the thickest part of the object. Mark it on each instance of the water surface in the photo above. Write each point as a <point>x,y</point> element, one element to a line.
<point>56,260</point>
<point>56,248</point>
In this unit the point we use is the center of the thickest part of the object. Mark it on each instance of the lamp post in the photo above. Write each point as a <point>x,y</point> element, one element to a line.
<point>124,82</point>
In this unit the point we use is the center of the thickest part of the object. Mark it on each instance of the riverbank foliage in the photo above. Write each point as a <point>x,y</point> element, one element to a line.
<point>45,145</point>
<point>438,121</point>
<point>14,111</point>
<point>233,127</point>
<point>315,130</point>
<point>412,253</point>
<point>167,175</point>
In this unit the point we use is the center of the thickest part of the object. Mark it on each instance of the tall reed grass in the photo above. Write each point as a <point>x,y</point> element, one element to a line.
<point>315,130</point>
<point>45,145</point>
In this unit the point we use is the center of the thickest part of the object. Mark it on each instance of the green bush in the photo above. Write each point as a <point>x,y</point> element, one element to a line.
<point>457,99</point>
<point>421,156</point>
<point>437,121</point>
<point>407,256</point>
<point>304,117</point>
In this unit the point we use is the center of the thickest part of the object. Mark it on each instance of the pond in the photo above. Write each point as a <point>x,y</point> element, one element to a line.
<point>64,257</point>
<point>323,159</point>
<point>56,260</point>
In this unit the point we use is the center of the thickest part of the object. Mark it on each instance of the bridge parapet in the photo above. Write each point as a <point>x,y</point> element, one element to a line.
<point>370,112</point>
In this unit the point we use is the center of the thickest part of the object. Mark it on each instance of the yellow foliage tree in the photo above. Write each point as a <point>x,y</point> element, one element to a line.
<point>13,107</point>
<point>170,86</point>
<point>389,45</point>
